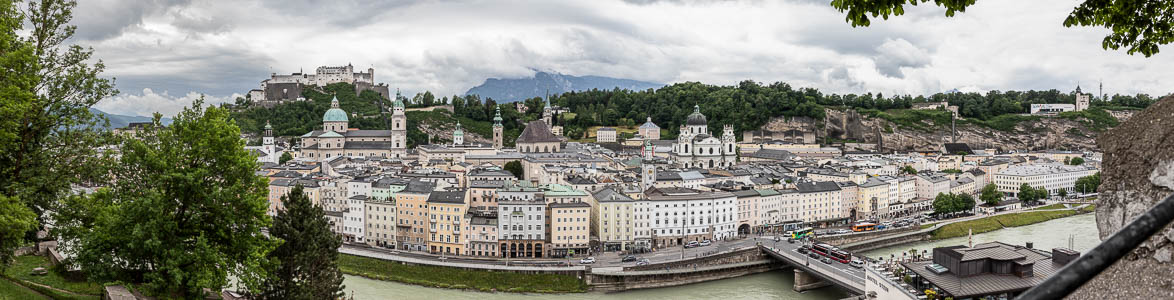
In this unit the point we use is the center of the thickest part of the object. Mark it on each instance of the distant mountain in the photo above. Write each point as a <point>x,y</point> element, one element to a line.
<point>120,121</point>
<point>511,90</point>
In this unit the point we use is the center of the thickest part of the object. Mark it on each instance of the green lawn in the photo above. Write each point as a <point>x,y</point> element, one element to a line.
<point>1053,206</point>
<point>21,270</point>
<point>12,291</point>
<point>924,226</point>
<point>998,222</point>
<point>459,278</point>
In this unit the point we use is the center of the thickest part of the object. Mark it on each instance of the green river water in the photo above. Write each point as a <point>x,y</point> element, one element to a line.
<point>771,285</point>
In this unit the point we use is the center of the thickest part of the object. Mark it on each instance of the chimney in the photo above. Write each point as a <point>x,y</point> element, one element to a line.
<point>1063,256</point>
<point>1029,244</point>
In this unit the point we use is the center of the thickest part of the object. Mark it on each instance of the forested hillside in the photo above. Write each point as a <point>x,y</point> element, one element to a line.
<point>747,106</point>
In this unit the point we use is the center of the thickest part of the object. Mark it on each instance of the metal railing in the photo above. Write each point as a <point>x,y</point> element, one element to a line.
<point>1089,265</point>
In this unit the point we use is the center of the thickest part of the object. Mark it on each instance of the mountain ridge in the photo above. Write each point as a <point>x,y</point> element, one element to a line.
<point>518,89</point>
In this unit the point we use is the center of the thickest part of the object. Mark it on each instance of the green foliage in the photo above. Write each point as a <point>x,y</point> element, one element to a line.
<point>907,169</point>
<point>1138,25</point>
<point>952,203</point>
<point>307,258</point>
<point>1031,196</point>
<point>515,167</point>
<point>1088,184</point>
<point>22,270</point>
<point>184,212</point>
<point>285,156</point>
<point>990,194</point>
<point>48,135</point>
<point>460,278</point>
<point>1076,161</point>
<point>997,222</point>
<point>1095,118</point>
<point>11,291</point>
<point>1005,122</point>
<point>927,120</point>
<point>15,220</point>
<point>1063,193</point>
<point>952,171</point>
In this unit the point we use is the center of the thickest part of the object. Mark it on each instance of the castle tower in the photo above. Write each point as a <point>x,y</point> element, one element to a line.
<point>458,135</point>
<point>335,119</point>
<point>498,138</point>
<point>399,125</point>
<point>648,170</point>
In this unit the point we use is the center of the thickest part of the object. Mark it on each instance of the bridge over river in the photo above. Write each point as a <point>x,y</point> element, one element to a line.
<point>811,273</point>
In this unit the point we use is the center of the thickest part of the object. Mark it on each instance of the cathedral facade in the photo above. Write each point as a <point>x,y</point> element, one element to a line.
<point>696,148</point>
<point>337,139</point>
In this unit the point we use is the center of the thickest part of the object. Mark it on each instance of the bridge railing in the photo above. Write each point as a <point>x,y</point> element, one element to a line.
<point>1089,265</point>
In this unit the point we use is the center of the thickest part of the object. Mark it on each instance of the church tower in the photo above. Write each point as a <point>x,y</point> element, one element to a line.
<point>267,143</point>
<point>399,125</point>
<point>546,113</point>
<point>458,135</point>
<point>647,169</point>
<point>728,140</point>
<point>497,130</point>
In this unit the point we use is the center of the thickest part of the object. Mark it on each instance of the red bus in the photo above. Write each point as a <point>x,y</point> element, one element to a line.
<point>840,256</point>
<point>823,249</point>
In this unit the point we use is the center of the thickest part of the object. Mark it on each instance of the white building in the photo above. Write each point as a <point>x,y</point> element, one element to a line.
<point>681,215</point>
<point>1051,108</point>
<point>605,135</point>
<point>1053,177</point>
<point>696,148</point>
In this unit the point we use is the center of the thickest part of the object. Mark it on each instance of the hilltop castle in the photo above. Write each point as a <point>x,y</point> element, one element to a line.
<point>285,88</point>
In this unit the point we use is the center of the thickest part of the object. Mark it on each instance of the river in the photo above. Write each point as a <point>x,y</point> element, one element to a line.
<point>771,285</point>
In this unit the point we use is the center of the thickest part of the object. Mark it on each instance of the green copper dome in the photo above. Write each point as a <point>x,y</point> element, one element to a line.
<point>458,132</point>
<point>334,114</point>
<point>497,117</point>
<point>397,102</point>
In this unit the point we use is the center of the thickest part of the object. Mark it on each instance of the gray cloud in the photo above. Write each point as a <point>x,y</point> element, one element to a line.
<point>176,48</point>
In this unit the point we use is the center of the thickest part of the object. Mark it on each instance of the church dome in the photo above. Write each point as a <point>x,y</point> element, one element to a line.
<point>334,114</point>
<point>696,118</point>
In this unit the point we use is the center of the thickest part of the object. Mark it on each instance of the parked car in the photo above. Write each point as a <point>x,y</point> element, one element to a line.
<point>790,240</point>
<point>856,263</point>
<point>826,260</point>
<point>588,260</point>
<point>629,258</point>
<point>705,243</point>
<point>642,262</point>
<point>691,244</point>
<point>813,255</point>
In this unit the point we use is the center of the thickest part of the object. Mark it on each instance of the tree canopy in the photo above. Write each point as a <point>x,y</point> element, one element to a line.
<point>1140,26</point>
<point>990,194</point>
<point>48,135</point>
<point>952,203</point>
<point>185,209</point>
<point>305,264</point>
<point>1088,184</point>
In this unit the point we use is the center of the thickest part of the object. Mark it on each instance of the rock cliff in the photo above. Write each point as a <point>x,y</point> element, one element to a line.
<point>1045,133</point>
<point>1137,172</point>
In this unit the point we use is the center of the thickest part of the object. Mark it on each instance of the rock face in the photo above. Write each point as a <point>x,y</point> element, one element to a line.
<point>1138,171</point>
<point>1047,133</point>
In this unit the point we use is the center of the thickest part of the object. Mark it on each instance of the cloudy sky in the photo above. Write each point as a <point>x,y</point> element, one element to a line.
<point>164,53</point>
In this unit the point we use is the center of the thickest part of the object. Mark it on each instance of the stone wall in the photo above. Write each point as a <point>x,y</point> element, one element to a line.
<point>732,257</point>
<point>621,281</point>
<point>1138,171</point>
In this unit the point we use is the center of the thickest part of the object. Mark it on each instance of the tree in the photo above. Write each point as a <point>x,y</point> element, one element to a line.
<point>907,169</point>
<point>185,211</point>
<point>1026,194</point>
<point>991,195</point>
<point>48,135</point>
<point>1076,161</point>
<point>306,261</point>
<point>1088,184</point>
<point>1063,193</point>
<point>285,156</point>
<point>1138,25</point>
<point>515,167</point>
<point>964,202</point>
<point>15,220</point>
